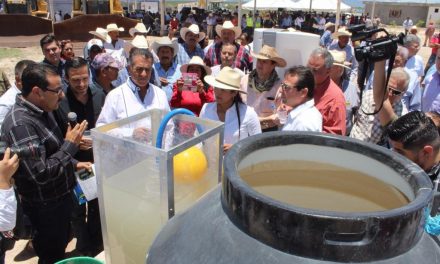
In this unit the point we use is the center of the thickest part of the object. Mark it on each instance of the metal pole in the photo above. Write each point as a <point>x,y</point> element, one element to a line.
<point>338,13</point>
<point>310,9</point>
<point>51,10</point>
<point>240,2</point>
<point>373,7</point>
<point>162,17</point>
<point>255,11</point>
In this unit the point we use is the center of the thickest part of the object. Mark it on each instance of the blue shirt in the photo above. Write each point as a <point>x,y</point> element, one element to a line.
<point>431,95</point>
<point>184,55</point>
<point>172,75</point>
<point>326,39</point>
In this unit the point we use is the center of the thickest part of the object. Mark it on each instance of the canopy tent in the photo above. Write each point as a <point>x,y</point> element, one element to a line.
<point>270,4</point>
<point>321,5</point>
<point>317,5</point>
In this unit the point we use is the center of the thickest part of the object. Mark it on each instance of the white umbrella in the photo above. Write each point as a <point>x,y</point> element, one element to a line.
<point>270,4</point>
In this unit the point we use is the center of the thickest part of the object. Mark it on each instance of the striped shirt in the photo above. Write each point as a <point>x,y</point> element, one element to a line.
<point>184,55</point>
<point>243,60</point>
<point>49,176</point>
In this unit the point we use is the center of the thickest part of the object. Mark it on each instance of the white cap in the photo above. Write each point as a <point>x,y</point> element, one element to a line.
<point>93,42</point>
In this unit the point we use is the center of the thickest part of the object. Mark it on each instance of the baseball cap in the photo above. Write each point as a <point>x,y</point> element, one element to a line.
<point>103,60</point>
<point>95,42</point>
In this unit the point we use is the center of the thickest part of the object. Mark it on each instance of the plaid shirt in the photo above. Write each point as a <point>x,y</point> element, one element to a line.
<point>367,127</point>
<point>184,55</point>
<point>242,61</point>
<point>51,175</point>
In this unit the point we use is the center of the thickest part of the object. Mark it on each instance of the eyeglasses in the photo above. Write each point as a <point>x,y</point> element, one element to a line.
<point>395,92</point>
<point>286,87</point>
<point>140,70</point>
<point>58,91</point>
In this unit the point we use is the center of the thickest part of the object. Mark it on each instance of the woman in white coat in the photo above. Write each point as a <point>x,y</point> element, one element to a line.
<point>240,120</point>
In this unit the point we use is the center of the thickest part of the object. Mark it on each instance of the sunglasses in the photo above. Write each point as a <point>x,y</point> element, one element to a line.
<point>395,92</point>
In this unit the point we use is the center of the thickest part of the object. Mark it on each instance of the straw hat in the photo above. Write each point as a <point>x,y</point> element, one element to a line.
<point>139,28</point>
<point>165,42</point>
<point>227,79</point>
<point>102,34</point>
<point>195,60</point>
<point>140,42</point>
<point>114,27</point>
<point>269,53</point>
<point>230,26</point>
<point>329,24</point>
<point>194,29</point>
<point>339,58</point>
<point>341,33</point>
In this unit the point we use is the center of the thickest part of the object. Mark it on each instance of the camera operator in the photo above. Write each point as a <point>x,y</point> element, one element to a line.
<point>8,202</point>
<point>45,180</point>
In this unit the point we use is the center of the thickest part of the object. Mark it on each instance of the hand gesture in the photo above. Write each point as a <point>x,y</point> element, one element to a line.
<point>163,81</point>
<point>8,166</point>
<point>142,134</point>
<point>180,84</point>
<point>74,134</point>
<point>200,86</point>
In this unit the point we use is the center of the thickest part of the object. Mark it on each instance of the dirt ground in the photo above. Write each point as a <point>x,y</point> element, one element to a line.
<point>14,49</point>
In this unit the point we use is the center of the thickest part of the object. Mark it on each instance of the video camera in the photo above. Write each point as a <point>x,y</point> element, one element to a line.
<point>31,150</point>
<point>374,49</point>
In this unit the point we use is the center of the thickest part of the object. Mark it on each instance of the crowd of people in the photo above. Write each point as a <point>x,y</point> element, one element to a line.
<point>225,81</point>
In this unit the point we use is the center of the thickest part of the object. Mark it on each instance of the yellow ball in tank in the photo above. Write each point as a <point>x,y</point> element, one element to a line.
<point>190,165</point>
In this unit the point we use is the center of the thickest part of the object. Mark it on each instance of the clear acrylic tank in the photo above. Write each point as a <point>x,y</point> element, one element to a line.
<point>137,189</point>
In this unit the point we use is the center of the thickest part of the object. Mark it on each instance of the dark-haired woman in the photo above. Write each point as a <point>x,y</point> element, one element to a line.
<point>192,96</point>
<point>240,120</point>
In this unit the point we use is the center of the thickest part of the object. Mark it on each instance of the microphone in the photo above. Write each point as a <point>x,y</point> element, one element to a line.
<point>71,117</point>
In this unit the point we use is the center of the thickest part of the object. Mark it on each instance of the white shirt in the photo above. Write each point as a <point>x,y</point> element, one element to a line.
<point>407,24</point>
<point>215,70</point>
<point>304,117</point>
<point>8,209</point>
<point>117,51</point>
<point>124,101</point>
<point>415,63</point>
<point>7,100</point>
<point>249,122</point>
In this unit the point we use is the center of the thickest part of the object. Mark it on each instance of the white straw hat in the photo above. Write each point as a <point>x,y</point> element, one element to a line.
<point>165,42</point>
<point>196,60</point>
<point>269,53</point>
<point>101,33</point>
<point>339,58</point>
<point>227,79</point>
<point>139,28</point>
<point>114,27</point>
<point>194,29</point>
<point>230,26</point>
<point>140,42</point>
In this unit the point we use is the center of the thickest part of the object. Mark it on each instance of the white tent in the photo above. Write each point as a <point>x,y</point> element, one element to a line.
<point>317,5</point>
<point>270,4</point>
<point>320,5</point>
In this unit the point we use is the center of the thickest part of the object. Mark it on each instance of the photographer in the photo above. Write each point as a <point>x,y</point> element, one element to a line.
<point>45,179</point>
<point>8,202</point>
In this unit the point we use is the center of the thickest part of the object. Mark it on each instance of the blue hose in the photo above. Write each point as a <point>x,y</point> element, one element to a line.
<point>165,121</point>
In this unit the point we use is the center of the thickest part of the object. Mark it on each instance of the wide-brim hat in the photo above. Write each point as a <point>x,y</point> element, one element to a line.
<point>194,29</point>
<point>227,79</point>
<point>139,28</point>
<point>339,59</point>
<point>342,32</point>
<point>269,53</point>
<point>329,24</point>
<point>229,26</point>
<point>101,33</point>
<point>165,42</point>
<point>140,42</point>
<point>113,27</point>
<point>196,60</point>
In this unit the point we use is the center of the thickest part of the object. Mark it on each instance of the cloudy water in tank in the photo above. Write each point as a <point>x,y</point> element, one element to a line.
<point>340,181</point>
